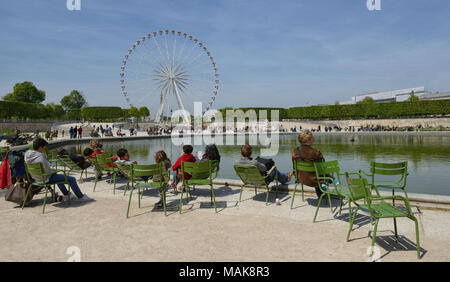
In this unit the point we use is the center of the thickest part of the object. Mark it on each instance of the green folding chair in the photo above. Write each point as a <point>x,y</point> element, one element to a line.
<point>388,169</point>
<point>250,175</point>
<point>327,173</point>
<point>142,178</point>
<point>297,167</point>
<point>70,166</point>
<point>202,173</point>
<point>103,163</point>
<point>38,169</point>
<point>376,207</point>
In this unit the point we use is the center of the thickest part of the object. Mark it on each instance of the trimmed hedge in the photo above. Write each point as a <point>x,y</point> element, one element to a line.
<point>102,113</point>
<point>361,110</point>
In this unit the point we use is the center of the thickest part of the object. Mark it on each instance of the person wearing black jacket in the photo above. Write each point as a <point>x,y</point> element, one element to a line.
<point>78,159</point>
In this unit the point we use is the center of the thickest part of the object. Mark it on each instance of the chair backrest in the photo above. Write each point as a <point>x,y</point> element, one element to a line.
<point>389,169</point>
<point>103,162</point>
<point>199,170</point>
<point>34,169</point>
<point>358,187</point>
<point>124,168</point>
<point>66,161</point>
<point>249,174</point>
<point>327,169</point>
<point>145,172</point>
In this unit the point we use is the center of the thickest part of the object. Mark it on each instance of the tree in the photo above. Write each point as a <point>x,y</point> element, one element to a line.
<point>74,101</point>
<point>25,92</point>
<point>144,112</point>
<point>412,97</point>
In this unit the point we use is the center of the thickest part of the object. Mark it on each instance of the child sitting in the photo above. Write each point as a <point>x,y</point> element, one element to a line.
<point>186,157</point>
<point>161,157</point>
<point>124,157</point>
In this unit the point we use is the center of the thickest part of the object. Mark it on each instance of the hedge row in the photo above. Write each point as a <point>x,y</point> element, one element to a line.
<point>361,110</point>
<point>23,110</point>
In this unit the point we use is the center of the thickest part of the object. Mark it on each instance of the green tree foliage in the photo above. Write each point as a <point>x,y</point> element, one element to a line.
<point>412,97</point>
<point>25,92</point>
<point>134,112</point>
<point>144,112</point>
<point>102,113</point>
<point>75,100</point>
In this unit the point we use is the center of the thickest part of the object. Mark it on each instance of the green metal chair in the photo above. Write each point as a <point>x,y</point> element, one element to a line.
<point>250,175</point>
<point>388,169</point>
<point>327,173</point>
<point>376,207</point>
<point>103,163</point>
<point>297,167</point>
<point>202,173</point>
<point>38,169</point>
<point>70,166</point>
<point>141,178</point>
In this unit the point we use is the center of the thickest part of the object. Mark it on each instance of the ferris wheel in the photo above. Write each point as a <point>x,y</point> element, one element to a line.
<point>169,70</point>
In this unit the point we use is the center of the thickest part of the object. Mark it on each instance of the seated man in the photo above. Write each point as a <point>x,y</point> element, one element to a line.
<point>246,159</point>
<point>78,159</point>
<point>36,156</point>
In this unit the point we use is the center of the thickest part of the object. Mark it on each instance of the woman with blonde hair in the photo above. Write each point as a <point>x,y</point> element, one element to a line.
<point>305,152</point>
<point>161,157</point>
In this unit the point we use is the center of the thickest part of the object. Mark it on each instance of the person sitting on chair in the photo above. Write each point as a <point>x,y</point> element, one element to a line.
<point>246,159</point>
<point>78,159</point>
<point>309,154</point>
<point>37,156</point>
<point>186,157</point>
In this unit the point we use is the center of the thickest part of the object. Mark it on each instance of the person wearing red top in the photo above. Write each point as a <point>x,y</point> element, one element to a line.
<point>186,157</point>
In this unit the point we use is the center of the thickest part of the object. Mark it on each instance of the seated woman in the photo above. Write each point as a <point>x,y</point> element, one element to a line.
<point>211,154</point>
<point>307,153</point>
<point>246,159</point>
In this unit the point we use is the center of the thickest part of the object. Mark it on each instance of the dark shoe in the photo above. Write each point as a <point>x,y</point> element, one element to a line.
<point>159,204</point>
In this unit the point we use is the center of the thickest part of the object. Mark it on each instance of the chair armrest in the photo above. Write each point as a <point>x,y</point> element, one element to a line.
<point>363,172</point>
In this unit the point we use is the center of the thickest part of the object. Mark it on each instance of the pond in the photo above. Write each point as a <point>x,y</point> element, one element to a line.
<point>428,156</point>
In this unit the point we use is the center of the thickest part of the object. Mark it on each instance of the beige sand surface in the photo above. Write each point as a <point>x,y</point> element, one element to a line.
<point>246,231</point>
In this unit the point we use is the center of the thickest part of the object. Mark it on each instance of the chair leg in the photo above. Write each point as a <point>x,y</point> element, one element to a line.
<point>267,196</point>
<point>303,194</point>
<point>395,229</point>
<point>114,176</point>
<point>340,207</point>
<point>139,197</point>
<point>213,198</point>
<point>240,196</point>
<point>45,199</point>
<point>317,209</point>
<point>349,210</point>
<point>329,203</point>
<point>26,196</point>
<point>351,223</point>
<point>164,200</point>
<point>129,201</point>
<point>417,235</point>
<point>293,195</point>
<point>128,185</point>
<point>373,237</point>
<point>96,179</point>
<point>181,200</point>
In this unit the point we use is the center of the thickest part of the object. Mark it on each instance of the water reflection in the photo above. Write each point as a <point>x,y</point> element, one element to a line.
<point>428,156</point>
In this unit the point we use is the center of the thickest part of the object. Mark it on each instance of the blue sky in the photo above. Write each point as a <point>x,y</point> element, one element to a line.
<point>269,53</point>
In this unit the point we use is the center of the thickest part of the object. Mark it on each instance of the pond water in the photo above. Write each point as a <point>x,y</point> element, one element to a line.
<point>428,156</point>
